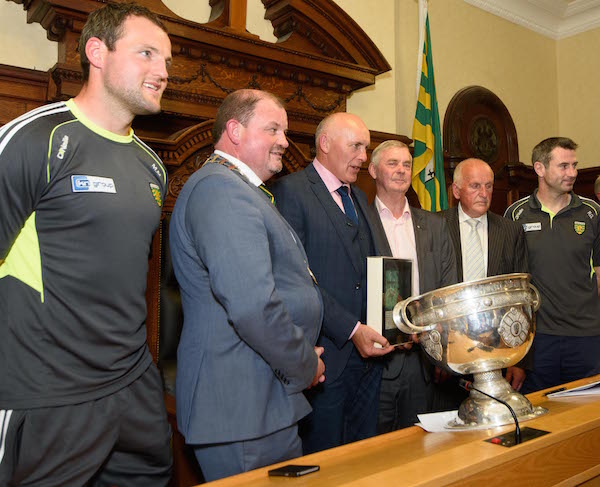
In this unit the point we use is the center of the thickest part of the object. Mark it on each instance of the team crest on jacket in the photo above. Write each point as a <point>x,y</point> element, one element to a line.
<point>156,194</point>
<point>579,227</point>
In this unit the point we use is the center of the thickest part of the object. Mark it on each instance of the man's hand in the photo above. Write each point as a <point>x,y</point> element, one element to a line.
<point>320,374</point>
<point>515,376</point>
<point>364,340</point>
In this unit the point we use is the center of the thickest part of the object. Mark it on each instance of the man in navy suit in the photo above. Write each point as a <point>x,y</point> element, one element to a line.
<point>503,241</point>
<point>332,218</point>
<point>252,310</point>
<point>410,384</point>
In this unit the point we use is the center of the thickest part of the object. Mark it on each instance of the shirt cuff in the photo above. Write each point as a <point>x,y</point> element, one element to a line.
<point>358,323</point>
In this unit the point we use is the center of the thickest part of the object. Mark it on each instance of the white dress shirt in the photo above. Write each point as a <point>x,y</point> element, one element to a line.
<point>244,169</point>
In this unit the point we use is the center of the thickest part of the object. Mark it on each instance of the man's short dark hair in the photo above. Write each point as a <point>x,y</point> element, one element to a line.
<point>106,24</point>
<point>542,151</point>
<point>239,106</point>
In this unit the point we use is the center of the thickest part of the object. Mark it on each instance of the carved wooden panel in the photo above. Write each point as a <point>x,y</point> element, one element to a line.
<point>321,56</point>
<point>477,124</point>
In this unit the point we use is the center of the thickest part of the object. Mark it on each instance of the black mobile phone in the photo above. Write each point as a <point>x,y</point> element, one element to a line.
<point>293,470</point>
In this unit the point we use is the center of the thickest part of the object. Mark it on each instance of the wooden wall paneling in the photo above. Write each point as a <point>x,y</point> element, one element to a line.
<point>586,178</point>
<point>21,90</point>
<point>477,124</point>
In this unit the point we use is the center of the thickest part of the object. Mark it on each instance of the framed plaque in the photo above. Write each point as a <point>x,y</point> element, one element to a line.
<point>389,281</point>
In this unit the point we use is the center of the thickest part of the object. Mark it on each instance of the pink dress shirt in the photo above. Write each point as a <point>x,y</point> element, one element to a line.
<point>401,237</point>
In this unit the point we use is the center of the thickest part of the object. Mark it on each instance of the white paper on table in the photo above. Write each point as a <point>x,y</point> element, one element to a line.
<point>436,422</point>
<point>591,389</point>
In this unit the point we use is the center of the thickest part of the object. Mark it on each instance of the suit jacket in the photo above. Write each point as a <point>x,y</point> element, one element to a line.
<point>436,262</point>
<point>327,235</point>
<point>507,250</point>
<point>252,312</point>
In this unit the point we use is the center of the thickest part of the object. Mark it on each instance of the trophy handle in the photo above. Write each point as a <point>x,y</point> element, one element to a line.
<point>536,297</point>
<point>403,322</point>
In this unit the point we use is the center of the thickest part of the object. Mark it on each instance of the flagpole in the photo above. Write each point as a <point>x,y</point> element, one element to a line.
<point>428,179</point>
<point>422,17</point>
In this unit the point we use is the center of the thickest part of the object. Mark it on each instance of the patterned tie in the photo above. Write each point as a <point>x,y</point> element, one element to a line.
<point>264,189</point>
<point>474,266</point>
<point>347,202</point>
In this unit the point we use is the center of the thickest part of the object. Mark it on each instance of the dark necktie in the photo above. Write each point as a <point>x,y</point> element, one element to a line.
<point>347,203</point>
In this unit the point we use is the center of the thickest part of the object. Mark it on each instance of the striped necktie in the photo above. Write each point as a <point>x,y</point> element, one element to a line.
<point>264,189</point>
<point>474,265</point>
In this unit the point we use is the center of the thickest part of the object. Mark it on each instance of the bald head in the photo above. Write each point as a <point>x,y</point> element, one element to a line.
<point>342,140</point>
<point>473,186</point>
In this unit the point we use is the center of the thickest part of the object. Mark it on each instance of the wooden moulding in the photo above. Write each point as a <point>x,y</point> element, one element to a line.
<point>321,56</point>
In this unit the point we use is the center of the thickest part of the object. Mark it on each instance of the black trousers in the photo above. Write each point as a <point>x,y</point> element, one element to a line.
<point>119,440</point>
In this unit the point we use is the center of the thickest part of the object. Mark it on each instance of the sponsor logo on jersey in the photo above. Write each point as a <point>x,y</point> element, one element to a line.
<point>579,227</point>
<point>590,215</point>
<point>156,194</point>
<point>63,147</point>
<point>532,227</point>
<point>92,184</point>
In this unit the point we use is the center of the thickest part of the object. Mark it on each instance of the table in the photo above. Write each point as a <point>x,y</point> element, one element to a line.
<point>570,455</point>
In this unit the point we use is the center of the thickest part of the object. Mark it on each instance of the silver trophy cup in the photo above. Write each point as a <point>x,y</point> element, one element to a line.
<point>478,327</point>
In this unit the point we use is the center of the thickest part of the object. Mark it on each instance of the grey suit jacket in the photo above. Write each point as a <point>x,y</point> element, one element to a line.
<point>329,239</point>
<point>507,250</point>
<point>252,313</point>
<point>436,262</point>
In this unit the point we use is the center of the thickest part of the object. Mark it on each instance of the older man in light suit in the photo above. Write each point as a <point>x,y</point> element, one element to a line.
<point>252,310</point>
<point>502,241</point>
<point>408,385</point>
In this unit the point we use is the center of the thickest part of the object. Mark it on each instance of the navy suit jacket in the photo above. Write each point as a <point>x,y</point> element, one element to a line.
<point>437,266</point>
<point>252,312</point>
<point>326,233</point>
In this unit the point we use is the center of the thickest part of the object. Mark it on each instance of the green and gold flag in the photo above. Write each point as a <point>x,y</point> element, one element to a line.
<point>428,161</point>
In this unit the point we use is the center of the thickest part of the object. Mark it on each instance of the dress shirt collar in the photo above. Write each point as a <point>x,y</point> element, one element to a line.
<point>383,210</point>
<point>244,169</point>
<point>463,217</point>
<point>331,181</point>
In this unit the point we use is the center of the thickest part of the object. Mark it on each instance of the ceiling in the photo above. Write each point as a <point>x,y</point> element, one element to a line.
<point>553,18</point>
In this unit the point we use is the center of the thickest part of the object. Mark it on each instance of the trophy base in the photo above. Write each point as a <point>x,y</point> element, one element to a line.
<point>479,411</point>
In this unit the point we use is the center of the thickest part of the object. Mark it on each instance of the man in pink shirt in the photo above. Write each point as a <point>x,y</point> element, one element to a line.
<point>409,384</point>
<point>333,220</point>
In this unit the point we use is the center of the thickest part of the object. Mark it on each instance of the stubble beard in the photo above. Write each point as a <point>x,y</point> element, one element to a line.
<point>132,99</point>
